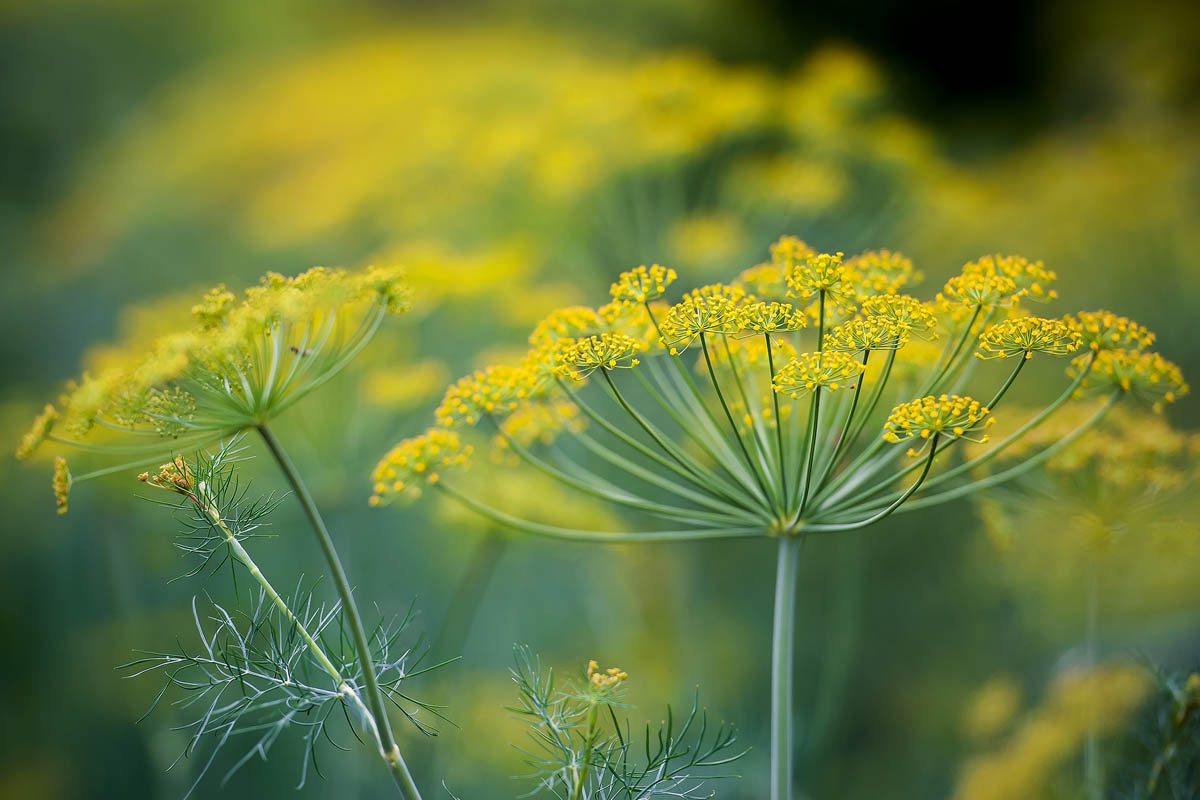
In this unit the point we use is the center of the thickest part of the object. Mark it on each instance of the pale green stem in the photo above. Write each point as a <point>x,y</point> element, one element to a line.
<point>783,654</point>
<point>783,482</point>
<point>607,491</point>
<point>580,535</point>
<point>388,747</point>
<point>712,373</point>
<point>1093,767</point>
<point>669,447</point>
<point>589,742</point>
<point>203,500</point>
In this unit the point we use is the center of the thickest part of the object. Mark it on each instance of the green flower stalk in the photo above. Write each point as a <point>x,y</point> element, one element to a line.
<point>809,370</point>
<point>237,365</point>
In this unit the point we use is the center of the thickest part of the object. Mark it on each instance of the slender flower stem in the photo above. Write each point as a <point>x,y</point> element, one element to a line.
<point>843,438</point>
<point>581,535</point>
<point>814,413</point>
<point>783,649</point>
<point>669,447</point>
<point>387,742</point>
<point>733,428</point>
<point>588,743</point>
<point>783,482</point>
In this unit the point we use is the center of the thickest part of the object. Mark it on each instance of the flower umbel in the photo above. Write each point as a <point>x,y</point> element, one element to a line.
<point>951,416</point>
<point>1024,336</point>
<point>808,372</point>
<point>237,364</point>
<point>607,352</point>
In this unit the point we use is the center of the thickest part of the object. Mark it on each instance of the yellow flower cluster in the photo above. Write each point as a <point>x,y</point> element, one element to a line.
<point>763,317</point>
<point>906,313</point>
<point>949,416</point>
<point>708,310</point>
<point>975,291</point>
<point>493,390</point>
<point>175,476</point>
<point>416,461</point>
<point>61,484</point>
<point>880,272</point>
<point>238,363</point>
<point>822,273</point>
<point>541,422</point>
<point>642,284</point>
<point>607,351</point>
<point>1031,278</point>
<point>808,372</point>
<point>42,425</point>
<point>1146,376</point>
<point>607,679</point>
<point>1104,330</point>
<point>866,333</point>
<point>1102,700</point>
<point>1024,336</point>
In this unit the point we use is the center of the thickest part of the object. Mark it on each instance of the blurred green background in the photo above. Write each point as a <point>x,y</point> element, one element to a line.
<point>517,156</point>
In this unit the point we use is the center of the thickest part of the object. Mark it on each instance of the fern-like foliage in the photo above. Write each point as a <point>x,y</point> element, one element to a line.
<point>267,663</point>
<point>579,749</point>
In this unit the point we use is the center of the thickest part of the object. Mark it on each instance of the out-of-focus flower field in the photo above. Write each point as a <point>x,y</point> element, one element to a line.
<point>512,159</point>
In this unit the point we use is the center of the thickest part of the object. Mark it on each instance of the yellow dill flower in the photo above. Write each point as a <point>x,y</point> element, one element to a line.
<point>1100,700</point>
<point>566,323</point>
<point>42,425</point>
<point>61,484</point>
<point>492,390</point>
<point>1025,336</point>
<point>764,280</point>
<point>949,416</point>
<point>216,305</point>
<point>907,313</point>
<point>416,461</point>
<point>808,372</point>
<point>992,708</point>
<point>1146,376</point>
<point>238,364</point>
<point>763,317</point>
<point>642,284</point>
<point>868,333</point>
<point>1031,278</point>
<point>713,312</point>
<point>789,253</point>
<point>608,351</point>
<point>541,422</point>
<point>976,291</point>
<point>175,475</point>
<point>822,273</point>
<point>1104,330</point>
<point>605,680</point>
<point>879,272</point>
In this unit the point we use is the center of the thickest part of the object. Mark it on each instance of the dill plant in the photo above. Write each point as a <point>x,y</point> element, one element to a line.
<point>808,396</point>
<point>234,367</point>
<point>580,749</point>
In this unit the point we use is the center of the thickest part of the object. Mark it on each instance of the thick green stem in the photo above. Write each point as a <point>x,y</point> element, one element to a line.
<point>783,648</point>
<point>389,750</point>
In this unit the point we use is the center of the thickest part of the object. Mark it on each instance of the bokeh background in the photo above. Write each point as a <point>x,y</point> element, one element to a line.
<point>517,156</point>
